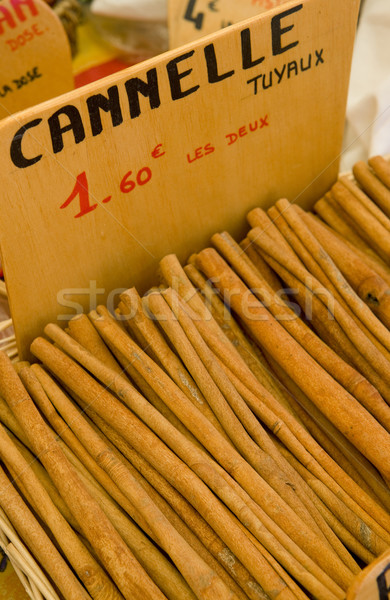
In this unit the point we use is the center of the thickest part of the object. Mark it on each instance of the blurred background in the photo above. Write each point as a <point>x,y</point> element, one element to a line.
<point>368,115</point>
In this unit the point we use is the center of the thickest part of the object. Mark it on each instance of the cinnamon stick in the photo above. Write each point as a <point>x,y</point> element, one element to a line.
<point>338,405</point>
<point>39,543</point>
<point>120,563</point>
<point>376,187</point>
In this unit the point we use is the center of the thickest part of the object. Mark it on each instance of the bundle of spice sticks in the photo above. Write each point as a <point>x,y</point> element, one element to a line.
<point>226,435</point>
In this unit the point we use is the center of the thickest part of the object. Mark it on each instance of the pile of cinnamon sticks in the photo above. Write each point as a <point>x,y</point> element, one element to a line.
<point>226,436</point>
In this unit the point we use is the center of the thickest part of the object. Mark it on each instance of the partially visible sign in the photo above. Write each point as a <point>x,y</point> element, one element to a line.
<point>189,20</point>
<point>98,184</point>
<point>35,58</point>
<point>373,583</point>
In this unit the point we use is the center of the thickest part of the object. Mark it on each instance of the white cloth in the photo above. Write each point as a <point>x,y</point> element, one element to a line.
<point>368,109</point>
<point>133,10</point>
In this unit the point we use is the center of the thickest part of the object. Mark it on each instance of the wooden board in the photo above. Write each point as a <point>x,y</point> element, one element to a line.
<point>35,58</point>
<point>195,138</point>
<point>373,583</point>
<point>189,20</point>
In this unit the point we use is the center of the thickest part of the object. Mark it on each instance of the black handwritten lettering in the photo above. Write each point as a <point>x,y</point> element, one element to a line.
<point>246,50</point>
<point>308,66</point>
<point>189,16</point>
<point>269,84</point>
<point>319,58</point>
<point>111,104</point>
<point>280,74</point>
<point>6,89</point>
<point>17,155</point>
<point>175,77</point>
<point>212,66</point>
<point>255,80</point>
<point>278,31</point>
<point>383,586</point>
<point>57,131</point>
<point>149,89</point>
<point>292,68</point>
<point>181,76</point>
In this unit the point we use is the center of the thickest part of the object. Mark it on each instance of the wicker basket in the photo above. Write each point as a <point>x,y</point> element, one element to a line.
<point>26,568</point>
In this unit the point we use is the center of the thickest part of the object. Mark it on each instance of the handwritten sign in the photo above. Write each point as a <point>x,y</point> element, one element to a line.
<point>373,583</point>
<point>189,20</point>
<point>35,59</point>
<point>99,184</point>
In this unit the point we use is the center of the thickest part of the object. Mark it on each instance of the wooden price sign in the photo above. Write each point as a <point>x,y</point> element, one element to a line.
<point>373,583</point>
<point>190,19</point>
<point>35,57</point>
<point>100,183</point>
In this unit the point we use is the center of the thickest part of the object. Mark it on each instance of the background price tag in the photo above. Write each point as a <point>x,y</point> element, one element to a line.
<point>98,184</point>
<point>35,57</point>
<point>191,19</point>
<point>373,583</point>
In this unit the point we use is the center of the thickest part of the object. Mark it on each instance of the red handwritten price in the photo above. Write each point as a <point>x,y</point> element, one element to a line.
<point>128,183</point>
<point>81,190</point>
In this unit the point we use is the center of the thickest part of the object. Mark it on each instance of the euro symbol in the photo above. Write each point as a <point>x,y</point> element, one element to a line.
<point>157,152</point>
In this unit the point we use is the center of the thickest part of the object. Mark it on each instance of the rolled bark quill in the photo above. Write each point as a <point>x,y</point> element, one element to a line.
<point>245,348</point>
<point>159,568</point>
<point>325,264</point>
<point>222,396</point>
<point>366,201</point>
<point>368,226</point>
<point>185,518</point>
<point>45,480</point>
<point>303,254</point>
<point>366,282</point>
<point>50,398</point>
<point>266,407</point>
<point>210,297</point>
<point>314,420</point>
<point>170,394</point>
<point>322,475</point>
<point>350,541</point>
<point>244,474</point>
<point>376,184</point>
<point>338,405</point>
<point>230,335</point>
<point>341,317</point>
<point>322,319</point>
<point>82,330</point>
<point>165,355</point>
<point>335,333</point>
<point>39,543</point>
<point>176,278</point>
<point>202,529</point>
<point>326,470</point>
<point>193,569</point>
<point>243,412</point>
<point>165,461</point>
<point>329,211</point>
<point>381,167</point>
<point>327,358</point>
<point>115,555</point>
<point>345,455</point>
<point>86,567</point>
<point>261,265</point>
<point>372,260</point>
